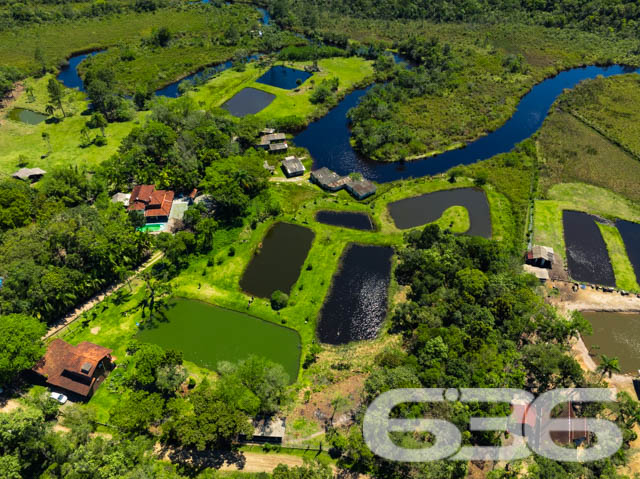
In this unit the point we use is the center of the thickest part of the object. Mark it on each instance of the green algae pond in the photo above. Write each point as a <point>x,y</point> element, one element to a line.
<point>615,335</point>
<point>207,334</point>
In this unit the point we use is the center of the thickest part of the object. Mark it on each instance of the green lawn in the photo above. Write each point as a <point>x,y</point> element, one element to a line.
<point>622,268</point>
<point>572,152</point>
<point>23,143</point>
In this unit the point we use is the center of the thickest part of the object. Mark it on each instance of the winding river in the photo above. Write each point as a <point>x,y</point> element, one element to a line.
<point>328,138</point>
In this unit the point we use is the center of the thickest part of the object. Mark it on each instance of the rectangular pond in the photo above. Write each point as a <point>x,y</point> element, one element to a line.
<point>420,210</point>
<point>207,334</point>
<point>615,335</point>
<point>587,254</point>
<point>356,305</point>
<point>345,219</point>
<point>283,77</point>
<point>278,261</point>
<point>248,101</point>
<point>630,233</point>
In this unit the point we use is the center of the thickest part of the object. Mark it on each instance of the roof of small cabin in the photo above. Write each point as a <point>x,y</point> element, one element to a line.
<point>82,360</point>
<point>268,131</point>
<point>274,427</point>
<point>26,173</point>
<point>362,187</point>
<point>278,146</point>
<point>540,273</point>
<point>325,176</point>
<point>273,137</point>
<point>121,198</point>
<point>293,165</point>
<point>543,252</point>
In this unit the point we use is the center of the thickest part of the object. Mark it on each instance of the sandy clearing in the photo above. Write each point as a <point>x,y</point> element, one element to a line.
<point>11,405</point>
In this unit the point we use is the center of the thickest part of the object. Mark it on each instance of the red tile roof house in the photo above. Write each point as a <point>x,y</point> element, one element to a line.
<point>78,370</point>
<point>155,204</point>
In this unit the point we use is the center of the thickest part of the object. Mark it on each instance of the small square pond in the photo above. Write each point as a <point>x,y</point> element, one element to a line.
<point>284,77</point>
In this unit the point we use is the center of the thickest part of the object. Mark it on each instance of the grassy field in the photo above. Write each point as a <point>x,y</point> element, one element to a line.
<point>622,268</point>
<point>59,40</point>
<point>548,229</point>
<point>482,94</point>
<point>571,151</point>
<point>611,106</point>
<point>21,143</point>
<point>351,72</point>
<point>215,278</point>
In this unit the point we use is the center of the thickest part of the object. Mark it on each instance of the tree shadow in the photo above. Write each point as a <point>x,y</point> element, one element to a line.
<point>192,462</point>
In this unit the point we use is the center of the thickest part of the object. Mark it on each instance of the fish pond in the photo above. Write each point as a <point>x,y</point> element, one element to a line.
<point>248,101</point>
<point>278,261</point>
<point>284,77</point>
<point>630,233</point>
<point>346,219</point>
<point>26,116</point>
<point>420,210</point>
<point>356,305</point>
<point>207,334</point>
<point>615,335</point>
<point>587,254</point>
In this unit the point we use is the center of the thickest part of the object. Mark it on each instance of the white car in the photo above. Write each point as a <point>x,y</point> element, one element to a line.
<point>61,398</point>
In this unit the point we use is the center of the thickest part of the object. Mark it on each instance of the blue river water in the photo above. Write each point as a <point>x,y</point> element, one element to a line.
<point>70,78</point>
<point>327,139</point>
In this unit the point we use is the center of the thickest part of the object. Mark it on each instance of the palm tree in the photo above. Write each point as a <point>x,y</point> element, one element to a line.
<point>608,366</point>
<point>50,109</point>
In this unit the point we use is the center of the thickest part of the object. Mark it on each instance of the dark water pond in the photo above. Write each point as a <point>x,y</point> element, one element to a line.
<point>69,76</point>
<point>248,101</point>
<point>327,139</point>
<point>278,263</point>
<point>346,219</point>
<point>26,116</point>
<point>420,210</point>
<point>173,91</point>
<point>617,335</point>
<point>283,77</point>
<point>587,254</point>
<point>630,233</point>
<point>207,335</point>
<point>357,303</point>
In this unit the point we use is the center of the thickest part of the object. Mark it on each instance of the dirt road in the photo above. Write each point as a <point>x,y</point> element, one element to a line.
<point>71,317</point>
<point>591,300</point>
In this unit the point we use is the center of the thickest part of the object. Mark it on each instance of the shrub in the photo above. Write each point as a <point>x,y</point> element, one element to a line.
<point>279,300</point>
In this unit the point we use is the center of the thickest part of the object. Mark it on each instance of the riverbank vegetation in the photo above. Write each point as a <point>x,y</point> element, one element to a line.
<point>471,90</point>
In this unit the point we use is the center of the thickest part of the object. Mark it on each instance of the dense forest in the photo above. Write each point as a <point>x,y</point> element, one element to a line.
<point>472,321</point>
<point>618,15</point>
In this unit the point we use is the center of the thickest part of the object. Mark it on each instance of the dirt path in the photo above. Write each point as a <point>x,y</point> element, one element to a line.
<point>591,300</point>
<point>256,462</point>
<point>10,405</point>
<point>9,100</point>
<point>71,317</point>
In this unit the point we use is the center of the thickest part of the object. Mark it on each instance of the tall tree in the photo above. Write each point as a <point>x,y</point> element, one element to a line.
<point>56,94</point>
<point>608,366</point>
<point>21,346</point>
